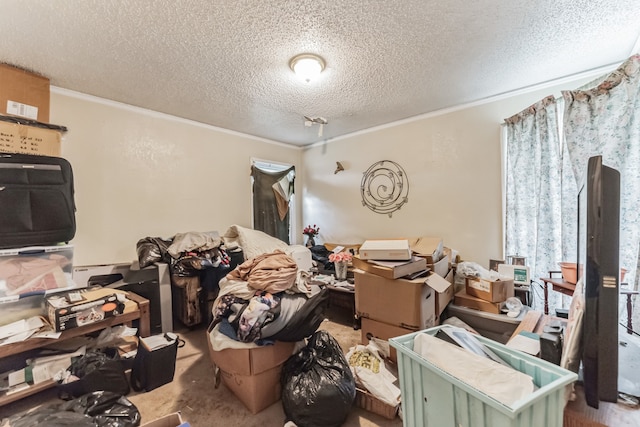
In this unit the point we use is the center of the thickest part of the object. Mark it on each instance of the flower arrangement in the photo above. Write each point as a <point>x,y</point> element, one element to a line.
<point>340,257</point>
<point>311,231</point>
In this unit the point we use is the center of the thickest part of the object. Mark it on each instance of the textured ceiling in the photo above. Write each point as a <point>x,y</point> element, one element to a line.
<point>225,62</point>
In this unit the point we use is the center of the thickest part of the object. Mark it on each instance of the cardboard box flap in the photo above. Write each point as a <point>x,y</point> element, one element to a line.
<point>438,283</point>
<point>427,246</point>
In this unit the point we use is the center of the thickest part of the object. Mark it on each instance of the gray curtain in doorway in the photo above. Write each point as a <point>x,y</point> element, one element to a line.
<point>271,192</point>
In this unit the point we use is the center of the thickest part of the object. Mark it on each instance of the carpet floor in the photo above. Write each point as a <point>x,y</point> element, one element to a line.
<point>193,394</point>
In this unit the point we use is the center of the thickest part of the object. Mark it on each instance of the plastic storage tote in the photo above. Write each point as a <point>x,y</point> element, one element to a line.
<point>433,398</point>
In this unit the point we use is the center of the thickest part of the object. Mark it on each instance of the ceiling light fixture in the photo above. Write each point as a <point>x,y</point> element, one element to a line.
<point>307,66</point>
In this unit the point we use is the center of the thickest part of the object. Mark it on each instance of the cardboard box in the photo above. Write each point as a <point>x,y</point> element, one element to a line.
<point>257,392</point>
<point>488,290</point>
<point>253,374</point>
<point>406,303</point>
<point>24,94</point>
<point>372,328</point>
<point>392,250</point>
<point>369,402</point>
<point>82,306</point>
<point>463,299</point>
<point>170,420</point>
<point>23,139</point>
<point>444,291</point>
<point>441,267</point>
<point>413,266</point>
<point>34,270</point>
<point>431,248</point>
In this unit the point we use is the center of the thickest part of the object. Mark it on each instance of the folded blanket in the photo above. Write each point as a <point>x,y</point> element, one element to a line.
<point>273,272</point>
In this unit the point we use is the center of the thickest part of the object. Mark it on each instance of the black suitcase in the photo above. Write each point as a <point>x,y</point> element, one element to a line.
<point>37,204</point>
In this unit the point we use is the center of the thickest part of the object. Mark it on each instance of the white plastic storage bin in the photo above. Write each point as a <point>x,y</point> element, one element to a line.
<point>432,397</point>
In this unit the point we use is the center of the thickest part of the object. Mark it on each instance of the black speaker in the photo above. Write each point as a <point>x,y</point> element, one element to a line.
<point>551,347</point>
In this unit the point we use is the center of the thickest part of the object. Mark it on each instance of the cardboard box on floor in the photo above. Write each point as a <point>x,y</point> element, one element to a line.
<point>373,328</point>
<point>406,303</point>
<point>253,374</point>
<point>489,290</point>
<point>412,304</point>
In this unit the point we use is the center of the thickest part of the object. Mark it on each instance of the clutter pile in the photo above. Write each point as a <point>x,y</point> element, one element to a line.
<point>265,308</point>
<point>484,290</point>
<point>406,294</point>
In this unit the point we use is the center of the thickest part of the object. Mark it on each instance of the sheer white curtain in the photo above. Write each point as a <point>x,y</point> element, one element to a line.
<point>605,120</point>
<point>533,216</point>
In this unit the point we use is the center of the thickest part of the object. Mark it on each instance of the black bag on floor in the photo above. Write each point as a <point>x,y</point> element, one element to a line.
<point>318,388</point>
<point>154,367</point>
<point>37,204</point>
<point>96,371</point>
<point>96,409</point>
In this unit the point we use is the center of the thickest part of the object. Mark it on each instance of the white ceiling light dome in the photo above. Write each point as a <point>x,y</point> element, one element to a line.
<point>307,66</point>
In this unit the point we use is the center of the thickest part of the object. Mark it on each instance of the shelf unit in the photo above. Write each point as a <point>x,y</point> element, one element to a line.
<point>138,309</point>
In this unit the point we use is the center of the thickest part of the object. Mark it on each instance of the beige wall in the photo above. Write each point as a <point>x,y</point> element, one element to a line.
<point>138,173</point>
<point>453,164</point>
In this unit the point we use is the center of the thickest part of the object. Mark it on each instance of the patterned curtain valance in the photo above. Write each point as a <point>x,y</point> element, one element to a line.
<point>625,72</point>
<point>531,110</point>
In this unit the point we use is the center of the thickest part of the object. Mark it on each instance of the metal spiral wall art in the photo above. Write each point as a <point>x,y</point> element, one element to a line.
<point>384,187</point>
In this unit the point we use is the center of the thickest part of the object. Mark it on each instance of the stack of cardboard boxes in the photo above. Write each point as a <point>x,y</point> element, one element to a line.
<point>253,373</point>
<point>389,305</point>
<point>485,295</point>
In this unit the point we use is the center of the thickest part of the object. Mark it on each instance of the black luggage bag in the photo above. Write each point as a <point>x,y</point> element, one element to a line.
<point>37,204</point>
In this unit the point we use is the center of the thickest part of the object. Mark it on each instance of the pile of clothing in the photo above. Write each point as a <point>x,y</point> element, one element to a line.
<point>268,297</point>
<point>245,281</point>
<point>197,261</point>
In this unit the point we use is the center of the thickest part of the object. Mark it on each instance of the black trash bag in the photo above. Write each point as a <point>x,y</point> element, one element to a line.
<point>151,250</point>
<point>306,320</point>
<point>49,416</point>
<point>97,409</point>
<point>318,388</point>
<point>97,371</point>
<point>107,409</point>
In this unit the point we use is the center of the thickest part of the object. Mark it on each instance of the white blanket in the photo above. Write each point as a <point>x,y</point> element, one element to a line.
<point>252,242</point>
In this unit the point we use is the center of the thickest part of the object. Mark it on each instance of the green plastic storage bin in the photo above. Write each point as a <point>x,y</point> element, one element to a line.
<point>433,398</point>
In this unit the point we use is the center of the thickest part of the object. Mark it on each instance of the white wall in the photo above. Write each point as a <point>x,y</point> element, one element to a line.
<point>138,173</point>
<point>453,164</point>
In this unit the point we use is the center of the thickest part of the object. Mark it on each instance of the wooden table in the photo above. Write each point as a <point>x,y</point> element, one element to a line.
<point>566,288</point>
<point>559,285</point>
<point>136,308</point>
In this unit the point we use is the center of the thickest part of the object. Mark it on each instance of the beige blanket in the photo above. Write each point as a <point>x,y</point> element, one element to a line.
<point>272,272</point>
